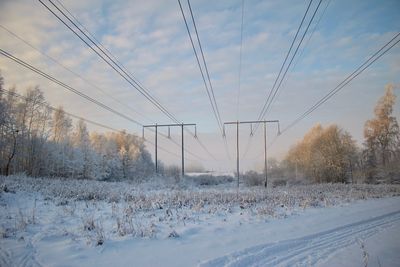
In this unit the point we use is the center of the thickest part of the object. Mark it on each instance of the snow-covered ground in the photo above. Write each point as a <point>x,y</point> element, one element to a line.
<point>53,222</point>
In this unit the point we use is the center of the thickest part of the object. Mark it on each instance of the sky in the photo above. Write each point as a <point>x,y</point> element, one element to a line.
<point>150,39</point>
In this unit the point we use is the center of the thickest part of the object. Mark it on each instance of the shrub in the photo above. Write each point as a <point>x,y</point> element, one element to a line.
<point>252,178</point>
<point>209,180</point>
<point>279,182</point>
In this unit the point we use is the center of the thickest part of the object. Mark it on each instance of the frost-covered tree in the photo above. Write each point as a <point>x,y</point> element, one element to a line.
<point>60,149</point>
<point>382,139</point>
<point>324,154</point>
<point>103,160</point>
<point>33,123</point>
<point>83,153</point>
<point>40,140</point>
<point>135,161</point>
<point>61,125</point>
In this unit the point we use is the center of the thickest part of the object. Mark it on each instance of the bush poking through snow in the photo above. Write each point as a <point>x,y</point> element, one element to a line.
<point>173,234</point>
<point>88,223</point>
<point>252,178</point>
<point>34,212</point>
<point>22,221</point>
<point>99,234</point>
<point>141,212</point>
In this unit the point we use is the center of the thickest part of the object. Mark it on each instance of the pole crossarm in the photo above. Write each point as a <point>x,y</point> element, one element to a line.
<point>251,134</point>
<point>182,125</point>
<point>170,125</point>
<point>253,122</point>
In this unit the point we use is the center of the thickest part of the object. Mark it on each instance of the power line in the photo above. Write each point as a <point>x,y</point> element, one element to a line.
<point>69,114</point>
<point>284,62</point>
<point>49,77</point>
<point>73,72</point>
<point>372,59</point>
<point>264,122</point>
<point>94,38</point>
<point>114,65</point>
<point>378,54</point>
<point>248,144</point>
<point>19,61</point>
<point>268,104</point>
<point>268,147</point>
<point>252,135</point>
<point>291,60</point>
<point>114,62</point>
<point>302,52</point>
<point>210,91</point>
<point>195,137</point>
<point>213,104</point>
<point>311,34</point>
<point>46,105</point>
<point>298,59</point>
<point>182,125</point>
<point>166,151</point>
<point>273,90</point>
<point>204,61</point>
<point>176,143</point>
<point>69,88</point>
<point>205,149</point>
<point>113,59</point>
<point>98,42</point>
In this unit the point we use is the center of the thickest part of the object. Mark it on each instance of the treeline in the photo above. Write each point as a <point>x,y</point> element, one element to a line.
<point>330,154</point>
<point>40,141</point>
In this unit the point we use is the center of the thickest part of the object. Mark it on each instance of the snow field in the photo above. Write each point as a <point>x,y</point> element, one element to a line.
<point>76,215</point>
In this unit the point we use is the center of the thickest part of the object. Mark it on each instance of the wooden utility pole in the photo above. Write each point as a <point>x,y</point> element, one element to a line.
<point>237,153</point>
<point>155,152</point>
<point>265,155</point>
<point>156,126</point>
<point>183,152</point>
<point>265,143</point>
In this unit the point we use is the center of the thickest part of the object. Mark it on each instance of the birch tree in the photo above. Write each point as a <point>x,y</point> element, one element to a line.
<point>382,139</point>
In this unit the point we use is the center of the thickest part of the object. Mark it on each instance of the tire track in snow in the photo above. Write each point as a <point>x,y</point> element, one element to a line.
<point>21,255</point>
<point>5,257</point>
<point>306,250</point>
<point>27,259</point>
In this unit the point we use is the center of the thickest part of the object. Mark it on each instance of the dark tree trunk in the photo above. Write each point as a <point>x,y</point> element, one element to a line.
<point>12,154</point>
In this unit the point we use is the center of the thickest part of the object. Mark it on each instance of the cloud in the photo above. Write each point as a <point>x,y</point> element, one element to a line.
<point>150,39</point>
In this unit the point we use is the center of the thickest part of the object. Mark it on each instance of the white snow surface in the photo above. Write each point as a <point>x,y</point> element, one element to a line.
<point>55,222</point>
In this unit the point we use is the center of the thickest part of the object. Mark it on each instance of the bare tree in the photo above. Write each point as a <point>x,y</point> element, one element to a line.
<point>9,132</point>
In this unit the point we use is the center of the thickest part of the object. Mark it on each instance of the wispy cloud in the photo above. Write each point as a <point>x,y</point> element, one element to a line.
<point>150,39</point>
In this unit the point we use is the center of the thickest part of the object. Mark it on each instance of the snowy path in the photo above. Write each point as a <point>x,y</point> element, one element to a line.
<point>21,254</point>
<point>311,237</point>
<point>306,251</point>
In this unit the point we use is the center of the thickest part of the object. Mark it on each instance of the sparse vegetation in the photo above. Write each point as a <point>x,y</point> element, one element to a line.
<point>142,212</point>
